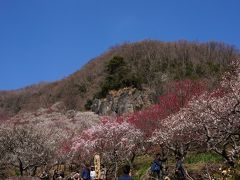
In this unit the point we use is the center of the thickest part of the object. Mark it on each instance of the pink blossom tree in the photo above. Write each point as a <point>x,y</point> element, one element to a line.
<point>116,142</point>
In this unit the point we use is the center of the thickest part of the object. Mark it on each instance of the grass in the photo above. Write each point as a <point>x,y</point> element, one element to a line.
<point>194,163</point>
<point>141,172</point>
<point>203,158</point>
<point>141,165</point>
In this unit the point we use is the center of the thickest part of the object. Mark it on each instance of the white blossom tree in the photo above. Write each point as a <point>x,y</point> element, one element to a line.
<point>25,148</point>
<point>211,120</point>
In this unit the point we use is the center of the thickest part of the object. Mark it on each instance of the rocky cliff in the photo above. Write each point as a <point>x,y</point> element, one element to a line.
<point>123,101</point>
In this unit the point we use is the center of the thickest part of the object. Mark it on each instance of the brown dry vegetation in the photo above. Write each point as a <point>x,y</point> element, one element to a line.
<point>154,62</point>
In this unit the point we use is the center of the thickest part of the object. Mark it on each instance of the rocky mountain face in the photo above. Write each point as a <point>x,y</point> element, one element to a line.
<point>123,101</point>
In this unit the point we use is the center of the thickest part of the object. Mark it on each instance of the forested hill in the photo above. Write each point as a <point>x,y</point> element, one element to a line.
<point>149,64</point>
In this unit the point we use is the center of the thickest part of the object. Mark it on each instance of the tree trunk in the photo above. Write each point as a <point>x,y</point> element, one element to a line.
<point>20,167</point>
<point>133,157</point>
<point>116,170</point>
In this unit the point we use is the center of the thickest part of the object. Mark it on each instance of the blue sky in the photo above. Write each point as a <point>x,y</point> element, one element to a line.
<point>46,40</point>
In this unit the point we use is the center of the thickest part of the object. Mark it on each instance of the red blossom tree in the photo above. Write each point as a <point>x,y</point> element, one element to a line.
<point>177,96</point>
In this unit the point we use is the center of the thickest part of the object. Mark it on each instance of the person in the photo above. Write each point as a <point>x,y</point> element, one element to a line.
<point>55,175</point>
<point>61,175</point>
<point>76,176</point>
<point>166,178</point>
<point>103,172</point>
<point>44,175</point>
<point>85,172</point>
<point>70,178</point>
<point>180,172</point>
<point>92,173</point>
<point>126,171</point>
<point>156,168</point>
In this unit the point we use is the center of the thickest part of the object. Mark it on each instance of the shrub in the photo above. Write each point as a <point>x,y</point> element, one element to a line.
<point>88,104</point>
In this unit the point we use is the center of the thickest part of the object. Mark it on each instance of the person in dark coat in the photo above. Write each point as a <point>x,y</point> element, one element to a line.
<point>180,172</point>
<point>126,171</point>
<point>55,175</point>
<point>85,172</point>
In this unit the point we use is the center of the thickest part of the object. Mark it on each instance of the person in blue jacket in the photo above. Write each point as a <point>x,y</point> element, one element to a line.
<point>126,171</point>
<point>85,172</point>
<point>156,168</point>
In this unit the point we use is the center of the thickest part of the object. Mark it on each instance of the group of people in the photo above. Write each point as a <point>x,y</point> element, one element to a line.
<point>158,172</point>
<point>56,175</point>
<point>88,173</point>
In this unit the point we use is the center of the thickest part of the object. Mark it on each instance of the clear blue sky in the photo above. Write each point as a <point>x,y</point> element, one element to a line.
<point>46,40</point>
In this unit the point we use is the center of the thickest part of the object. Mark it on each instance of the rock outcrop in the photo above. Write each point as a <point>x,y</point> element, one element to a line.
<point>123,101</point>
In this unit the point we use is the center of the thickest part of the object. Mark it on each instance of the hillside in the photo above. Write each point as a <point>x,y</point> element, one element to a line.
<point>152,63</point>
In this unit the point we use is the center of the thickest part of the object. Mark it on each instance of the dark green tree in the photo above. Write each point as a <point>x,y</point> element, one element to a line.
<point>119,75</point>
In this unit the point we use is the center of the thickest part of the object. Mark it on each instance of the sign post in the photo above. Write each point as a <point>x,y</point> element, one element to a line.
<point>97,166</point>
